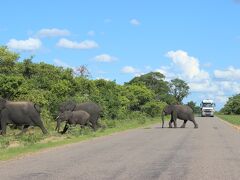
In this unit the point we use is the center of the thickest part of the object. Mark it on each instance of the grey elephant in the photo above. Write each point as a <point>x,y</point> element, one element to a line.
<point>93,109</point>
<point>182,112</point>
<point>72,118</point>
<point>23,114</point>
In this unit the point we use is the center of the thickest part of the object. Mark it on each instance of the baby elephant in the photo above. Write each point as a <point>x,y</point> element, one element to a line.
<point>72,117</point>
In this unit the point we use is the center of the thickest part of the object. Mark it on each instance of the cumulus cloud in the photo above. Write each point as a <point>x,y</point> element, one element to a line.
<point>130,70</point>
<point>54,32</point>
<point>87,44</point>
<point>230,73</point>
<point>187,65</point>
<point>219,86</point>
<point>104,58</point>
<point>203,87</point>
<point>135,22</point>
<point>30,44</point>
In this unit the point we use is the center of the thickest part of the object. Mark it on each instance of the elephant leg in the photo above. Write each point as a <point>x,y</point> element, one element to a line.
<point>65,128</point>
<point>174,118</point>
<point>82,126</point>
<point>3,127</point>
<point>38,122</point>
<point>184,124</point>
<point>25,128</point>
<point>175,123</point>
<point>94,126</point>
<point>44,130</point>
<point>195,124</point>
<point>170,123</point>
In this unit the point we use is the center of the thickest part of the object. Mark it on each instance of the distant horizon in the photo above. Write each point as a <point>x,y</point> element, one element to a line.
<point>198,42</point>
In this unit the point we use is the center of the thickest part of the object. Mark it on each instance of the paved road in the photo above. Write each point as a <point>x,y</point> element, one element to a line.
<point>210,152</point>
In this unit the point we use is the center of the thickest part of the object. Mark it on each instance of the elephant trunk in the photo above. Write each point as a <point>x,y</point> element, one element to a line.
<point>163,114</point>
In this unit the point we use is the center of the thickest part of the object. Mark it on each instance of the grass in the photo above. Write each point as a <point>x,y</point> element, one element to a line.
<point>13,145</point>
<point>233,119</point>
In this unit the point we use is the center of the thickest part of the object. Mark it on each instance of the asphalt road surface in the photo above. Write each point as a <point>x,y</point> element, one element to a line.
<point>210,152</point>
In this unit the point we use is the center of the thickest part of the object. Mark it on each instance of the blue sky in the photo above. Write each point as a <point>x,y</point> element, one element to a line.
<point>198,41</point>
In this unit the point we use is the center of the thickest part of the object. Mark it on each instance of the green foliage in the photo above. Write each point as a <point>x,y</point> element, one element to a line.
<point>138,95</point>
<point>232,106</point>
<point>154,81</point>
<point>50,86</point>
<point>8,60</point>
<point>233,119</point>
<point>9,85</point>
<point>153,108</point>
<point>195,108</point>
<point>179,89</point>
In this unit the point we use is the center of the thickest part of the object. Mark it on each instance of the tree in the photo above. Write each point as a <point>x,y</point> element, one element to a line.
<point>154,81</point>
<point>83,71</point>
<point>179,89</point>
<point>195,108</point>
<point>138,95</point>
<point>8,60</point>
<point>28,70</point>
<point>9,85</point>
<point>232,106</point>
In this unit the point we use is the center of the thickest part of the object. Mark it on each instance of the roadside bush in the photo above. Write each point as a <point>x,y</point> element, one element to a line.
<point>232,106</point>
<point>153,108</point>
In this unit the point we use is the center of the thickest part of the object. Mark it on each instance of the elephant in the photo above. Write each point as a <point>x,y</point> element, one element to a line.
<point>21,113</point>
<point>182,112</point>
<point>73,117</point>
<point>91,108</point>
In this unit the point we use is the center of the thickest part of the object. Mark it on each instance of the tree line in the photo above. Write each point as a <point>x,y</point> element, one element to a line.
<point>49,86</point>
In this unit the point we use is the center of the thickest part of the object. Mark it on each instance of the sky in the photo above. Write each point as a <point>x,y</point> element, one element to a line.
<point>197,41</point>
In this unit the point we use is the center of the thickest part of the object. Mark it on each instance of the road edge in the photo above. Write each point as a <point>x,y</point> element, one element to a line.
<point>229,124</point>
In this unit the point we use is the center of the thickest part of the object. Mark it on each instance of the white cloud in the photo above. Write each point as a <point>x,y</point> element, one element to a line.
<point>230,73</point>
<point>104,58</point>
<point>54,32</point>
<point>203,87</point>
<point>30,44</point>
<point>187,65</point>
<point>229,86</point>
<point>129,70</point>
<point>87,44</point>
<point>135,22</point>
<point>91,33</point>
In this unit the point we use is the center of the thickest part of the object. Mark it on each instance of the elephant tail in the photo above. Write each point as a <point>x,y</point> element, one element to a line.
<point>37,107</point>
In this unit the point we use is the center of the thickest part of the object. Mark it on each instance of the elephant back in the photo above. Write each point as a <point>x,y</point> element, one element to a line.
<point>89,107</point>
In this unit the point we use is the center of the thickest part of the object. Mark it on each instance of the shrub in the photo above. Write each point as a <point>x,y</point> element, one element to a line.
<point>153,108</point>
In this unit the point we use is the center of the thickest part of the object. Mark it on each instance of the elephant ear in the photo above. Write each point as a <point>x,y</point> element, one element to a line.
<point>2,103</point>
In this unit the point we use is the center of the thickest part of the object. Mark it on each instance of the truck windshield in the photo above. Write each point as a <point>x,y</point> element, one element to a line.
<point>207,105</point>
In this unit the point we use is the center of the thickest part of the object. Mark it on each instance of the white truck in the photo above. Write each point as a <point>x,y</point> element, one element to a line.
<point>207,107</point>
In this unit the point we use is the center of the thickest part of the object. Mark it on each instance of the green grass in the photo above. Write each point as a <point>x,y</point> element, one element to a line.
<point>233,119</point>
<point>13,145</point>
